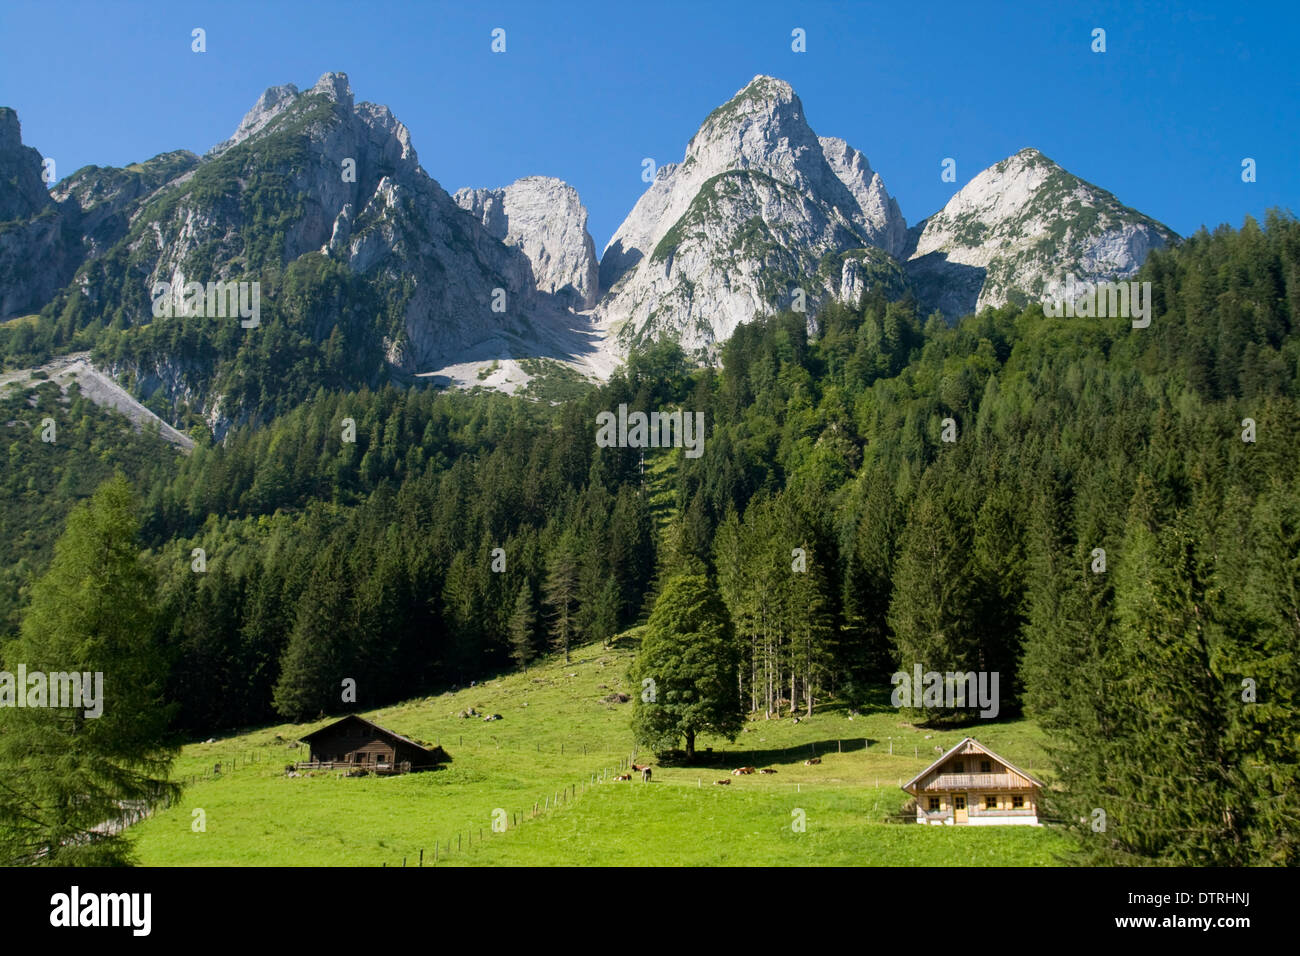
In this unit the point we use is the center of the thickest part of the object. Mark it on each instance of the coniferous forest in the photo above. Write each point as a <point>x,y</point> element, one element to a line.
<point>1112,525</point>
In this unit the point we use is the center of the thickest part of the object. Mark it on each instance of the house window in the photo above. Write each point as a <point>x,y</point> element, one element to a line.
<point>934,804</point>
<point>990,803</point>
<point>986,766</point>
<point>1017,802</point>
<point>358,757</point>
<point>960,803</point>
<point>959,767</point>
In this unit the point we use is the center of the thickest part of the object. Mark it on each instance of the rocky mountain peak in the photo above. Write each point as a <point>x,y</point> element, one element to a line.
<point>22,191</point>
<point>1017,228</point>
<point>544,217</point>
<point>274,101</point>
<point>881,218</point>
<point>759,190</point>
<point>335,86</point>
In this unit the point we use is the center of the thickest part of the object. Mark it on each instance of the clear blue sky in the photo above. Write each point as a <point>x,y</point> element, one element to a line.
<point>584,91</point>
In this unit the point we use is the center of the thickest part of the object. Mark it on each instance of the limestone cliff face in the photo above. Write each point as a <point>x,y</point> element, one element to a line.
<point>742,224</point>
<point>882,221</point>
<point>1016,230</point>
<point>544,218</point>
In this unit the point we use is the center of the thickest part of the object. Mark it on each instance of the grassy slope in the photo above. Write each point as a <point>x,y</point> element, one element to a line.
<point>256,815</point>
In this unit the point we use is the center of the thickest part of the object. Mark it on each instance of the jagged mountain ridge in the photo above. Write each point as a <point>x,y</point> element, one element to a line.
<point>306,174</point>
<point>760,210</point>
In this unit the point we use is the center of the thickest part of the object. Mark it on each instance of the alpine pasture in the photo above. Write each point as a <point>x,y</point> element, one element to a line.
<point>563,738</point>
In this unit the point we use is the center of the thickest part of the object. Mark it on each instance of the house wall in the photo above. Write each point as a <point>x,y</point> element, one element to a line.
<point>343,747</point>
<point>977,813</point>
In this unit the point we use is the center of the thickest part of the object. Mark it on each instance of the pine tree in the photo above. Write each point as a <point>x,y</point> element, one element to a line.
<point>64,774</point>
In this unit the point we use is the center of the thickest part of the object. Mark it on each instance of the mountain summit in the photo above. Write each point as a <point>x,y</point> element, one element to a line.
<point>742,223</point>
<point>1016,229</point>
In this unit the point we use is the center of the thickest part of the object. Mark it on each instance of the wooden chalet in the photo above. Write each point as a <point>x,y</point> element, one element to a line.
<point>970,785</point>
<point>355,743</point>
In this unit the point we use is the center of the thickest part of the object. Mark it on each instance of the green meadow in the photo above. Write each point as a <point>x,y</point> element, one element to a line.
<point>560,736</point>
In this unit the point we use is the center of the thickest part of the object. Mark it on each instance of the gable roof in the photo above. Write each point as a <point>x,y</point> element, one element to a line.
<point>982,749</point>
<point>372,725</point>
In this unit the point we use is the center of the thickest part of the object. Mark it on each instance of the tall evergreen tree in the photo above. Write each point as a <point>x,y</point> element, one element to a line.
<point>66,775</point>
<point>561,591</point>
<point>522,620</point>
<point>686,669</point>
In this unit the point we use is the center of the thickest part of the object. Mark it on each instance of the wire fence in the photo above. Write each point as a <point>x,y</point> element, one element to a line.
<point>504,821</point>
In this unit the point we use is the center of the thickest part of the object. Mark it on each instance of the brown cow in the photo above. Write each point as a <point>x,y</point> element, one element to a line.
<point>722,783</point>
<point>812,760</point>
<point>640,767</point>
<point>767,770</point>
<point>624,776</point>
<point>742,770</point>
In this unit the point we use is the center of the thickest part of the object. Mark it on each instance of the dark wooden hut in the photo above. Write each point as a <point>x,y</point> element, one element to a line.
<point>355,743</point>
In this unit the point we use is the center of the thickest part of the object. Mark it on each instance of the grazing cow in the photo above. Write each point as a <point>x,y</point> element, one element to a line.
<point>645,774</point>
<point>742,770</point>
<point>624,776</point>
<point>722,783</point>
<point>638,767</point>
<point>767,770</point>
<point>812,760</point>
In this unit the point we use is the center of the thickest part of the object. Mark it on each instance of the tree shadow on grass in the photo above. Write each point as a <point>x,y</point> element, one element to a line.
<point>729,759</point>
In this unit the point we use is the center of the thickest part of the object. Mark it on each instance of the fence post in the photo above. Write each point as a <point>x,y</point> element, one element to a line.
<point>421,856</point>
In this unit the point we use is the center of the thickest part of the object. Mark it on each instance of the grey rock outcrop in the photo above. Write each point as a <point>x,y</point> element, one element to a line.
<point>543,217</point>
<point>24,192</point>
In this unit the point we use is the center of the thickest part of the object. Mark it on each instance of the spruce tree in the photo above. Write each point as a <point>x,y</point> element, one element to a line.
<point>520,628</point>
<point>685,673</point>
<point>561,590</point>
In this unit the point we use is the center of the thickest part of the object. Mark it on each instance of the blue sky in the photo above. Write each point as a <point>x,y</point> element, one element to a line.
<point>585,91</point>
